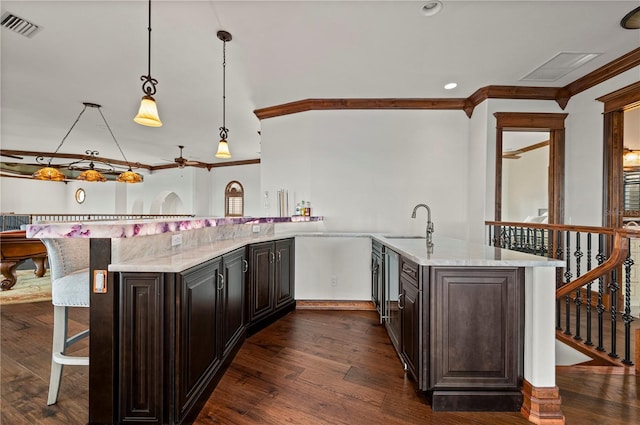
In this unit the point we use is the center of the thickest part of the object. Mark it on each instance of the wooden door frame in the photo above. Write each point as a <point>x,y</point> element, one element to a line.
<point>535,121</point>
<point>615,104</point>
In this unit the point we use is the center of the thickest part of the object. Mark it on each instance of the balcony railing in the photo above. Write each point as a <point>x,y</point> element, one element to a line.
<point>593,290</point>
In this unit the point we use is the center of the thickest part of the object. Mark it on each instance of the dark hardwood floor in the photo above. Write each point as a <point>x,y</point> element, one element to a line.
<point>311,367</point>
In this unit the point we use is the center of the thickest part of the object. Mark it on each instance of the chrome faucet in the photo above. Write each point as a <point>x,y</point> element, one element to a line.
<point>429,223</point>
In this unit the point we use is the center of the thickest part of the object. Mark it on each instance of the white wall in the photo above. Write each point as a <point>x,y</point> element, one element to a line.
<point>26,196</point>
<point>366,170</point>
<point>480,171</point>
<point>341,276</point>
<point>584,145</point>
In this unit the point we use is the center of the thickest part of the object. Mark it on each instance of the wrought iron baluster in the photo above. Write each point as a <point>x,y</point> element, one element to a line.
<point>628,262</point>
<point>600,307</point>
<point>567,277</point>
<point>613,291</point>
<point>588,341</point>
<point>578,300</point>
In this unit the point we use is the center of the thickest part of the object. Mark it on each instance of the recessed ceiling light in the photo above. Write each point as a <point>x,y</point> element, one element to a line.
<point>450,86</point>
<point>431,8</point>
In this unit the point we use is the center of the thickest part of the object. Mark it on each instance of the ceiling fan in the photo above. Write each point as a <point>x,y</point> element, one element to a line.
<point>182,161</point>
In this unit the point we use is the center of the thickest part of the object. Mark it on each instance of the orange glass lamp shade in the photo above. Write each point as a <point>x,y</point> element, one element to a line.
<point>631,158</point>
<point>129,177</point>
<point>92,175</point>
<point>223,150</point>
<point>49,173</point>
<point>148,113</point>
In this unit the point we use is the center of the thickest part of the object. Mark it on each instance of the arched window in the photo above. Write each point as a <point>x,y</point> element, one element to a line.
<point>234,200</point>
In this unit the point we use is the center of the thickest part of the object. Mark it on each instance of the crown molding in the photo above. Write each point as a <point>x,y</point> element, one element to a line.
<point>358,103</point>
<point>561,95</point>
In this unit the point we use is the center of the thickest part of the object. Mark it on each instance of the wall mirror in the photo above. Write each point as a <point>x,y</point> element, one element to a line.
<point>80,195</point>
<point>540,126</point>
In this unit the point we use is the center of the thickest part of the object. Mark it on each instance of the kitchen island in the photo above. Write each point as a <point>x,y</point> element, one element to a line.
<point>471,323</point>
<point>181,296</point>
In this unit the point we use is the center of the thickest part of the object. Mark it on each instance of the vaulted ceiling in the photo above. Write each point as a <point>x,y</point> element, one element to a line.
<point>282,51</point>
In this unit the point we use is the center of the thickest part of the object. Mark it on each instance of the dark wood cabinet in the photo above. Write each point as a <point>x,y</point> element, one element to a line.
<point>141,371</point>
<point>177,332</point>
<point>271,285</point>
<point>477,329</point>
<point>460,332</point>
<point>261,278</point>
<point>197,350</point>
<point>284,272</point>
<point>413,327</point>
<point>232,297</point>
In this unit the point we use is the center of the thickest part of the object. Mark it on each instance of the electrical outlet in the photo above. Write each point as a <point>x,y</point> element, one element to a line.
<point>100,281</point>
<point>256,228</point>
<point>176,239</point>
<point>334,280</point>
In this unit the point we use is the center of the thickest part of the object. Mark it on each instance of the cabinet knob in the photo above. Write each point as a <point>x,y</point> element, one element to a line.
<point>272,258</point>
<point>220,282</point>
<point>400,306</point>
<point>245,267</point>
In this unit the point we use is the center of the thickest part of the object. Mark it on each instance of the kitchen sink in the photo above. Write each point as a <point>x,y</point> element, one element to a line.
<point>403,237</point>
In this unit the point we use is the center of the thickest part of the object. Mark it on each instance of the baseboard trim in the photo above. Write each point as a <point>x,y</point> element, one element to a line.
<point>541,405</point>
<point>334,305</point>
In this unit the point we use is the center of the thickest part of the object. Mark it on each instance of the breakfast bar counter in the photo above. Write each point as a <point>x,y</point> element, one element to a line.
<point>182,295</point>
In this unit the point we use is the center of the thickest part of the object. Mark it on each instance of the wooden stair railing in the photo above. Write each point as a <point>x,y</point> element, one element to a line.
<point>613,257</point>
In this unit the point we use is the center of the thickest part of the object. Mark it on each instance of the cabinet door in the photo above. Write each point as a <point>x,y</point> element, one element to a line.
<point>284,272</point>
<point>197,351</point>
<point>477,328</point>
<point>232,309</point>
<point>411,326</point>
<point>261,280</point>
<point>141,336</point>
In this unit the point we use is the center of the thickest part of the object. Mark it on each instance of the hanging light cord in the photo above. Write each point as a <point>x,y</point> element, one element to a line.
<point>68,132</point>
<point>224,130</point>
<point>114,137</point>
<point>149,84</point>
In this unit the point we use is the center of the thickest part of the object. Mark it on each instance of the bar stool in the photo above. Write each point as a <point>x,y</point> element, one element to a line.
<point>70,284</point>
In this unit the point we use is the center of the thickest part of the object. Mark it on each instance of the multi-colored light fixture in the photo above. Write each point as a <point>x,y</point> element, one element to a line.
<point>89,173</point>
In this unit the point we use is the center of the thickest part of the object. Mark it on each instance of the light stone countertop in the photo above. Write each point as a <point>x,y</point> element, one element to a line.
<point>456,252</point>
<point>446,252</point>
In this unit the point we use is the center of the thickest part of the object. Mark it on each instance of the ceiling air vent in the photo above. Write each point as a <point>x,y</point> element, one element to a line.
<point>559,66</point>
<point>19,25</point>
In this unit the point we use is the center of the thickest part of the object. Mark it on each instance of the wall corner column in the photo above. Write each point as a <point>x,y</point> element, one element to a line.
<point>541,397</point>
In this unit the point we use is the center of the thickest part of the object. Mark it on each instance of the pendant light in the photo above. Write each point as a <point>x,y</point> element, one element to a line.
<point>148,112</point>
<point>90,174</point>
<point>223,146</point>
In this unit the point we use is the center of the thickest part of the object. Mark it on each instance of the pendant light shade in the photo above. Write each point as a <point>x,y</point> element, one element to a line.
<point>148,113</point>
<point>223,147</point>
<point>223,150</point>
<point>49,173</point>
<point>129,177</point>
<point>92,175</point>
